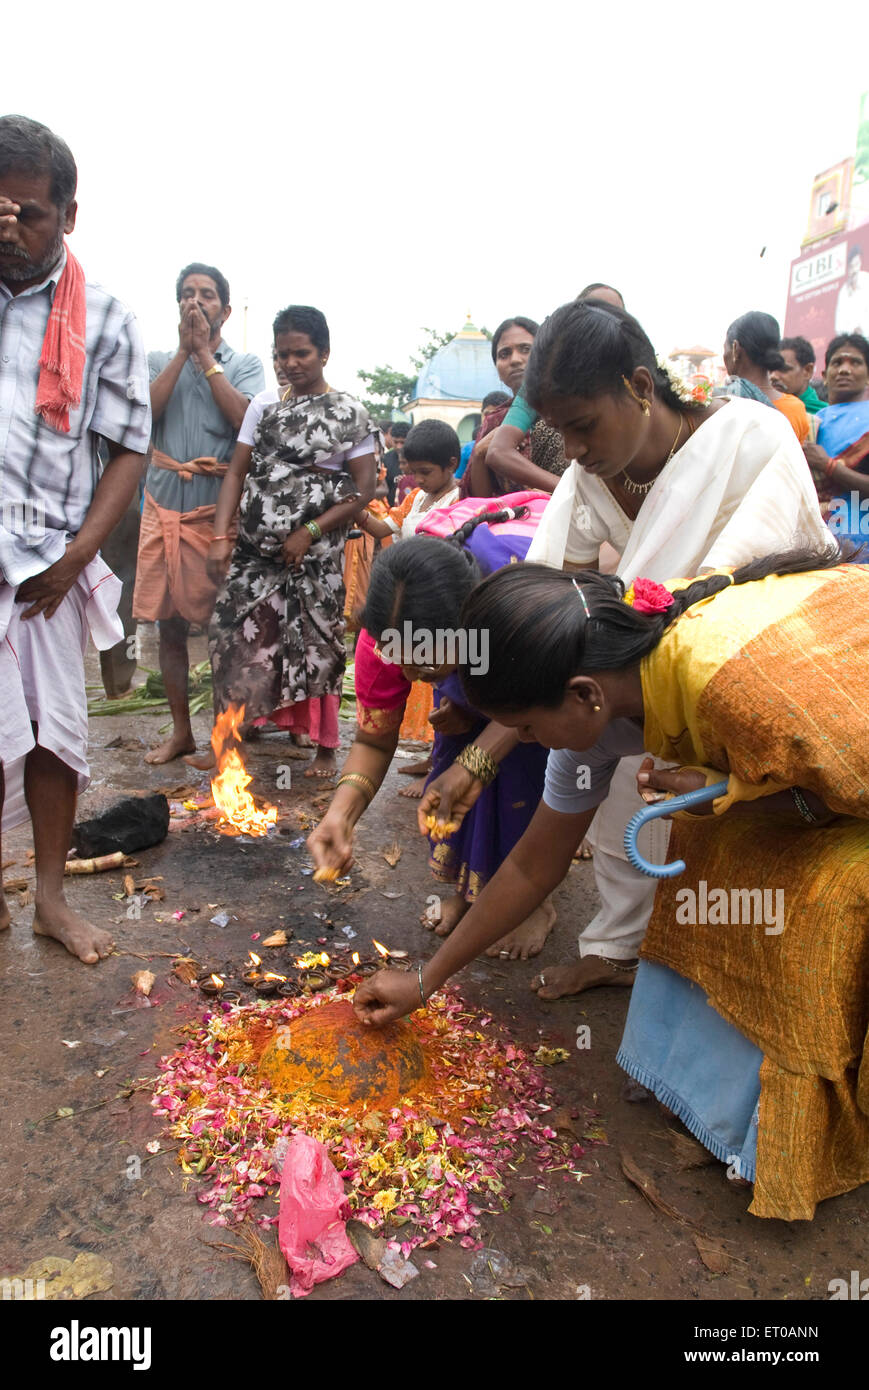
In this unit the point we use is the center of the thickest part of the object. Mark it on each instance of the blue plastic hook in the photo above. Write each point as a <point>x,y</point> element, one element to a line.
<point>665,808</point>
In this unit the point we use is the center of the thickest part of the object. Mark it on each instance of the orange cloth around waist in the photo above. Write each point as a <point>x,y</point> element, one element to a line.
<point>171,579</point>
<point>206,464</point>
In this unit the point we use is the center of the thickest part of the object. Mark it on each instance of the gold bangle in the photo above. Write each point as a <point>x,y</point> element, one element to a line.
<point>479,763</point>
<point>365,784</point>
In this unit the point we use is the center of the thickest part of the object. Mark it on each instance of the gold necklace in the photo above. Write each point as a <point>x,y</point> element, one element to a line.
<point>289,394</point>
<point>642,488</point>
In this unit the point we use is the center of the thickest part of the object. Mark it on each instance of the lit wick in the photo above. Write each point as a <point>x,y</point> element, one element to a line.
<point>212,984</point>
<point>251,974</point>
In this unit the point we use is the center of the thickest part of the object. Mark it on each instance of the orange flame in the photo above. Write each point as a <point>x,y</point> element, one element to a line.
<point>270,976</point>
<point>253,958</point>
<point>355,958</point>
<point>216,980</point>
<point>381,950</point>
<point>229,785</point>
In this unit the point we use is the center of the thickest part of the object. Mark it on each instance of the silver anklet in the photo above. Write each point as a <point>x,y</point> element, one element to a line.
<point>624,969</point>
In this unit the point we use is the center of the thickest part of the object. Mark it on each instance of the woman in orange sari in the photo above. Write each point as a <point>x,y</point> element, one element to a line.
<point>749,1013</point>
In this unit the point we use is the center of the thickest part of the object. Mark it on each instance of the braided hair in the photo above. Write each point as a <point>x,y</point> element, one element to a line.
<point>426,580</point>
<point>542,633</point>
<point>589,348</point>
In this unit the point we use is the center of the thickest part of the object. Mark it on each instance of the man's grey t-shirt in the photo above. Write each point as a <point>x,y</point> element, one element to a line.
<point>193,426</point>
<point>577,779</point>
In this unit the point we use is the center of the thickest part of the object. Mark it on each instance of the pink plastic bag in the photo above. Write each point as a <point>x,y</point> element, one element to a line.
<point>311,1229</point>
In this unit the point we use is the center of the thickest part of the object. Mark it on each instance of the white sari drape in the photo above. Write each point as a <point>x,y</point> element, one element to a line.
<point>739,488</point>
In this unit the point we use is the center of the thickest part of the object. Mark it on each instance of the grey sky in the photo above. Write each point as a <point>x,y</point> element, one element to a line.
<point>399,165</point>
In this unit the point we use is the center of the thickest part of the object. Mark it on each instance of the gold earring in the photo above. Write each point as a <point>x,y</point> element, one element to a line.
<point>596,709</point>
<point>640,400</point>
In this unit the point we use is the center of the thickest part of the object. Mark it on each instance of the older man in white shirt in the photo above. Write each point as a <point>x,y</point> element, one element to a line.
<point>72,372</point>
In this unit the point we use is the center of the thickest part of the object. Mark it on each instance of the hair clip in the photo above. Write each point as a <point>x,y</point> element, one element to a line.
<point>582,597</point>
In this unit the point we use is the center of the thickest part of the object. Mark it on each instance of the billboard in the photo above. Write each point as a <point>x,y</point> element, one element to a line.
<point>829,290</point>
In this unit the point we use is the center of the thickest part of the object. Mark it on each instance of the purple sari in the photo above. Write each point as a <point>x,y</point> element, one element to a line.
<point>503,812</point>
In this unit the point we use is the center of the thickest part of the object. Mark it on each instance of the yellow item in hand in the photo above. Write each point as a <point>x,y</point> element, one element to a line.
<point>440,829</point>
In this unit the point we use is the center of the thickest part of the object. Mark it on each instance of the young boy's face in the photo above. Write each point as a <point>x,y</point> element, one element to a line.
<point>431,477</point>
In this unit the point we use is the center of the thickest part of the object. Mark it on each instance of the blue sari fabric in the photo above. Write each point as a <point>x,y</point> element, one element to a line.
<point>699,1066</point>
<point>840,426</point>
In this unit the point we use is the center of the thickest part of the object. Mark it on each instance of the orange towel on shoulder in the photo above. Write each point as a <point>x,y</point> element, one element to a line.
<point>61,365</point>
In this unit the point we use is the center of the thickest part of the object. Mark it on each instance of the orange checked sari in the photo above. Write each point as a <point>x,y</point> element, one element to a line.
<point>766,685</point>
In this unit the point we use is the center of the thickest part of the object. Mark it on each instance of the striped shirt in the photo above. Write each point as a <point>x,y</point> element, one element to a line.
<point>193,426</point>
<point>47,478</point>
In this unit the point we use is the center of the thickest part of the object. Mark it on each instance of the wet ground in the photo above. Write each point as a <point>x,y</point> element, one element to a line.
<point>66,1185</point>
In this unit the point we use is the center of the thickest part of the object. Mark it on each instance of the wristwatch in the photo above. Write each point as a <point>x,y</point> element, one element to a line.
<point>211,370</point>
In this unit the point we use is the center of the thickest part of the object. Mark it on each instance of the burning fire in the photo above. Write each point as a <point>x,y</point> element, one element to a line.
<point>253,959</point>
<point>310,959</point>
<point>381,950</point>
<point>216,980</point>
<point>269,975</point>
<point>355,958</point>
<point>229,785</point>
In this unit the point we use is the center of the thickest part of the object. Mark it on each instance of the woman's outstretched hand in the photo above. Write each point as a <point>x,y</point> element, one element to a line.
<point>449,797</point>
<point>330,844</point>
<point>386,996</point>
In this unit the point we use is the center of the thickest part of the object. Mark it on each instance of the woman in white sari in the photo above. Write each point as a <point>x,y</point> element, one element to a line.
<point>689,486</point>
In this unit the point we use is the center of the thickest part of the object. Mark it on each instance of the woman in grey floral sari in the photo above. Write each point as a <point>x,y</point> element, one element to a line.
<point>277,635</point>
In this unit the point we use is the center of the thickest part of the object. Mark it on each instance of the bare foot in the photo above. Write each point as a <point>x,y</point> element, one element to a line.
<point>415,789</point>
<point>172,748</point>
<point>584,851</point>
<point>527,939</point>
<point>301,740</point>
<point>562,981</point>
<point>80,938</point>
<point>5,914</point>
<point>204,762</point>
<point>420,769</point>
<point>451,913</point>
<point>323,765</point>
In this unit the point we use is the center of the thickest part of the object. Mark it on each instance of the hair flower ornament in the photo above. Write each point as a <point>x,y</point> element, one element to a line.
<point>645,596</point>
<point>697,390</point>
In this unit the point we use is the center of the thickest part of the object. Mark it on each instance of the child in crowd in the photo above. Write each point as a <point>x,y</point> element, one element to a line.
<point>431,454</point>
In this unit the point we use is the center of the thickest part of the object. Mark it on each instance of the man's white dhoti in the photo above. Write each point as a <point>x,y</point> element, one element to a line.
<point>42,679</point>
